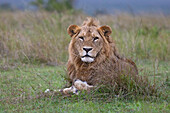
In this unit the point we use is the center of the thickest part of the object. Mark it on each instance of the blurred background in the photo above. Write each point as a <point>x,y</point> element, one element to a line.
<point>35,30</point>
<point>90,7</point>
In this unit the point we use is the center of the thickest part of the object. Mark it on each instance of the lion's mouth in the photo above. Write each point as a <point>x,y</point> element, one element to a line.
<point>87,58</point>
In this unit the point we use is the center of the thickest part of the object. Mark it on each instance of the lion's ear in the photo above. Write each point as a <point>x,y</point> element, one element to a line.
<point>106,30</point>
<point>73,29</point>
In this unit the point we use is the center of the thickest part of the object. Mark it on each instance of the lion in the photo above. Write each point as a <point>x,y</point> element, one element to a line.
<point>94,58</point>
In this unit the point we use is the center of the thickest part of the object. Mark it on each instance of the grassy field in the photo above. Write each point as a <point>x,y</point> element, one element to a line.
<point>22,91</point>
<point>33,54</point>
<point>43,37</point>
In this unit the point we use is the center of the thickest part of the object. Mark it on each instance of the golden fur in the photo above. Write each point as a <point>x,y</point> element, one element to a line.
<point>105,65</point>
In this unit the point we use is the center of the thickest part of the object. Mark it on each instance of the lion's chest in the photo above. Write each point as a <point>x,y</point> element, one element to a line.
<point>97,73</point>
<point>84,74</point>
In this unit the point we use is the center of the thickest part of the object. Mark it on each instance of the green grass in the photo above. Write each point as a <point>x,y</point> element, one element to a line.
<point>21,91</point>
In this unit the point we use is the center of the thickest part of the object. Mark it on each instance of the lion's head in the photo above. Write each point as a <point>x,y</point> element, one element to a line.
<point>89,40</point>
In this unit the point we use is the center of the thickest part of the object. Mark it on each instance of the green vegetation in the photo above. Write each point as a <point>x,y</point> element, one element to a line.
<point>22,91</point>
<point>31,42</point>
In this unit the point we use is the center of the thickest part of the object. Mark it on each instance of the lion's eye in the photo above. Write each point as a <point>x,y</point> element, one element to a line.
<point>95,39</point>
<point>81,38</point>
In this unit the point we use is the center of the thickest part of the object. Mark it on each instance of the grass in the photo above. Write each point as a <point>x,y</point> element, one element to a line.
<point>43,37</point>
<point>31,42</point>
<point>21,91</point>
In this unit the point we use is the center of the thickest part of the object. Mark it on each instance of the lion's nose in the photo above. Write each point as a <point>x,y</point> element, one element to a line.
<point>87,49</point>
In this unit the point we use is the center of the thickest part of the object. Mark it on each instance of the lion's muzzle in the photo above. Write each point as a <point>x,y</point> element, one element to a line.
<point>87,54</point>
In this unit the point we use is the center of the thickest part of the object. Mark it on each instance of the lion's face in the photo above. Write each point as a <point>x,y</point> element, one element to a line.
<point>88,41</point>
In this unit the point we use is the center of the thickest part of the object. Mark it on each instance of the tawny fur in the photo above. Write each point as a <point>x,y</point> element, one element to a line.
<point>108,64</point>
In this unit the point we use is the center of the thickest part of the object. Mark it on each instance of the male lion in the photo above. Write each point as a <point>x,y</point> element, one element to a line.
<point>94,59</point>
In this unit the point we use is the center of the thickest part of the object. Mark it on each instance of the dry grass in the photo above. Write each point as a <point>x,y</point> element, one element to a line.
<point>42,36</point>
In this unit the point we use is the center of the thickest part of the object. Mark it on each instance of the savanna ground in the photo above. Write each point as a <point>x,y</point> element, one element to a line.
<point>33,54</point>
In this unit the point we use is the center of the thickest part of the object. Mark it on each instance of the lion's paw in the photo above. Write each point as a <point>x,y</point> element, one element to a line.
<point>80,85</point>
<point>71,89</point>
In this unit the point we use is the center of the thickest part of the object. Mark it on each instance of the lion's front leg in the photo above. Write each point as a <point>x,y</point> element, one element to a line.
<point>71,89</point>
<point>78,85</point>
